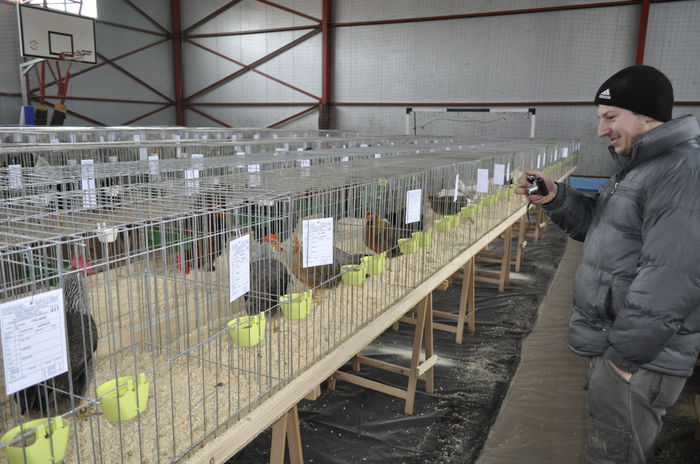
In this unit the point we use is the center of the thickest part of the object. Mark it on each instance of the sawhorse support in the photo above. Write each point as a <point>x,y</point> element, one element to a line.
<point>502,276</point>
<point>422,338</point>
<point>285,433</point>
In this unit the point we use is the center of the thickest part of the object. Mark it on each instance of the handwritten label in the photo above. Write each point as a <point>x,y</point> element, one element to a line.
<point>499,171</point>
<point>317,246</point>
<point>482,180</point>
<point>565,152</point>
<point>414,200</point>
<point>33,339</point>
<point>239,267</point>
<point>15,172</point>
<point>88,183</point>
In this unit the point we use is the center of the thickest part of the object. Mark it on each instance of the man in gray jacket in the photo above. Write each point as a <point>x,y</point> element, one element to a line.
<point>636,312</point>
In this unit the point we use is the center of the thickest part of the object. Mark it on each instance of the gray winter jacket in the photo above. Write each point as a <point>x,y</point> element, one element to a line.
<point>637,290</point>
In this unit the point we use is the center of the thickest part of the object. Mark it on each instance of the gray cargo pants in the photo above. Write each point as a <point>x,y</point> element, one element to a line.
<point>624,418</point>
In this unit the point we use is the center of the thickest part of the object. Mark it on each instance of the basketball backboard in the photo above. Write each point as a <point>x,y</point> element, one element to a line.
<point>48,33</point>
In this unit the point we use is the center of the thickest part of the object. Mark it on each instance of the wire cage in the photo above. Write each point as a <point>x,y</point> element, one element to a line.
<point>191,300</point>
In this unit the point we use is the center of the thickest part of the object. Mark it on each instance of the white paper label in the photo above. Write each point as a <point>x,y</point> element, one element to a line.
<point>256,136</point>
<point>539,161</point>
<point>15,172</point>
<point>33,340</point>
<point>240,153</point>
<point>508,172</point>
<point>300,149</point>
<point>239,267</point>
<point>363,145</point>
<point>304,163</point>
<point>482,180</point>
<point>176,137</point>
<point>317,242</point>
<point>88,183</point>
<point>499,171</point>
<point>153,167</point>
<point>377,155</point>
<point>197,163</point>
<point>456,192</point>
<point>414,201</point>
<point>565,152</point>
<point>137,138</point>
<point>345,159</point>
<point>280,150</point>
<point>55,141</point>
<point>72,138</point>
<point>32,138</point>
<point>143,153</point>
<point>556,154</point>
<point>253,168</point>
<point>102,138</point>
<point>254,180</point>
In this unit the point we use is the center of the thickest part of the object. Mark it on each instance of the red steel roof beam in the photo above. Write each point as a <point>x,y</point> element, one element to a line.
<point>212,15</point>
<point>279,81</point>
<point>131,121</point>
<point>289,10</point>
<point>209,117</point>
<point>176,27</point>
<point>142,82</point>
<point>255,31</point>
<point>294,116</point>
<point>642,37</point>
<point>254,64</point>
<point>147,16</point>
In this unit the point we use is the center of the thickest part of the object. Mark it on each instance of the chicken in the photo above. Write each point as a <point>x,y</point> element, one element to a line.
<point>325,275</point>
<point>208,233</point>
<point>447,205</point>
<point>269,278</point>
<point>63,393</point>
<point>397,220</point>
<point>380,235</point>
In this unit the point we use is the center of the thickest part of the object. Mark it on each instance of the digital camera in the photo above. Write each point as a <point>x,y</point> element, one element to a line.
<point>537,186</point>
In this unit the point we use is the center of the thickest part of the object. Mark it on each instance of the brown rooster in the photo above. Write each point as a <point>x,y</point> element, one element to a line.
<point>208,235</point>
<point>380,236</point>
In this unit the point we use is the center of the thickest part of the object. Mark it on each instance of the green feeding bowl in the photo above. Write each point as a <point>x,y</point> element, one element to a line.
<point>49,446</point>
<point>296,306</point>
<point>247,330</point>
<point>467,212</point>
<point>353,274</point>
<point>489,201</point>
<point>408,246</point>
<point>454,220</point>
<point>443,225</point>
<point>124,398</point>
<point>374,264</point>
<point>424,238</point>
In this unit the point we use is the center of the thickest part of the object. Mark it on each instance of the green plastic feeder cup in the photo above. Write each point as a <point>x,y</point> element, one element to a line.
<point>454,220</point>
<point>424,238</point>
<point>353,274</point>
<point>374,264</point>
<point>296,306</point>
<point>247,330</point>
<point>118,398</point>
<point>467,212</point>
<point>50,442</point>
<point>443,225</point>
<point>408,246</point>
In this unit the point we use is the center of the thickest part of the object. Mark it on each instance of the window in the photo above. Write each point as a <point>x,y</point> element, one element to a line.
<point>80,7</point>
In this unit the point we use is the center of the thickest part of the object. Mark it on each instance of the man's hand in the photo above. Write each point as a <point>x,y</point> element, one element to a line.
<point>537,199</point>
<point>624,374</point>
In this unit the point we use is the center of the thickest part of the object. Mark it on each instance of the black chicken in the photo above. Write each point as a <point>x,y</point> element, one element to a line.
<point>54,396</point>
<point>269,279</point>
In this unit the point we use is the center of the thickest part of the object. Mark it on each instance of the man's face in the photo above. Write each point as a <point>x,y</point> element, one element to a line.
<point>622,127</point>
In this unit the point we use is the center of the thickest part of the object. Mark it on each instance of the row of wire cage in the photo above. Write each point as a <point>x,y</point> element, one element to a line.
<point>195,288</point>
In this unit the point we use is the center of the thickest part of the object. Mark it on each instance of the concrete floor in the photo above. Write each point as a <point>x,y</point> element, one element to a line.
<point>542,416</point>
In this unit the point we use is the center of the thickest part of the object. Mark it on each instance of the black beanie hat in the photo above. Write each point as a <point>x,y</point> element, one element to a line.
<point>640,89</point>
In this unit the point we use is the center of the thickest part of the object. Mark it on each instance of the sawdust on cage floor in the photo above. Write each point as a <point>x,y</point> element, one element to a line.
<point>217,383</point>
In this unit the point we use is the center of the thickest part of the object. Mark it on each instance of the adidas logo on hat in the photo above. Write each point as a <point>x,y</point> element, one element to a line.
<point>605,94</point>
